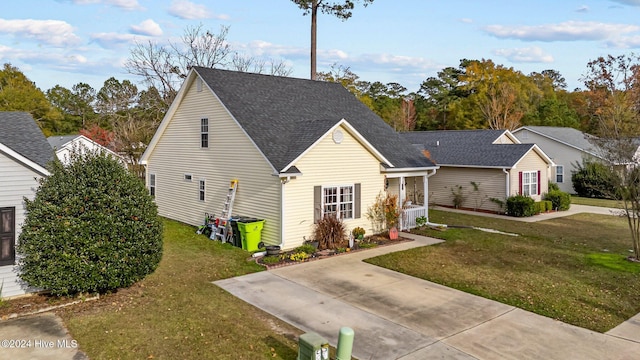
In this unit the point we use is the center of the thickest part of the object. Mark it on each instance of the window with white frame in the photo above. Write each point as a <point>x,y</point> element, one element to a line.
<point>559,174</point>
<point>201,190</point>
<point>204,133</point>
<point>152,185</point>
<point>529,183</point>
<point>338,201</point>
<point>188,177</point>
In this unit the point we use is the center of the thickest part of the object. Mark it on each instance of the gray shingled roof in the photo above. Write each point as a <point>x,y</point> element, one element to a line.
<point>58,141</point>
<point>20,133</point>
<point>571,136</point>
<point>284,116</point>
<point>467,147</point>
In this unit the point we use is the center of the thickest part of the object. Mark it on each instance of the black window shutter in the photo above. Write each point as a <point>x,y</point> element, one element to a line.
<point>356,201</point>
<point>317,204</point>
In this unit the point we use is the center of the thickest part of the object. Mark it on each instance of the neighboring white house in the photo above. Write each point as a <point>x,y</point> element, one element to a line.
<point>567,147</point>
<point>64,144</point>
<point>479,165</point>
<point>24,153</point>
<point>300,149</point>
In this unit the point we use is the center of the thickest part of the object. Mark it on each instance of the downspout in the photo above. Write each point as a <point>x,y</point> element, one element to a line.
<point>507,182</point>
<point>425,186</point>
<point>283,182</point>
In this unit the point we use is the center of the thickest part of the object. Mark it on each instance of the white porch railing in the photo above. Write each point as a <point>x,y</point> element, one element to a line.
<point>409,215</point>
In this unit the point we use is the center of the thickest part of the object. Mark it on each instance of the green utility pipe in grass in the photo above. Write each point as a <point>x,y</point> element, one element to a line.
<point>345,344</point>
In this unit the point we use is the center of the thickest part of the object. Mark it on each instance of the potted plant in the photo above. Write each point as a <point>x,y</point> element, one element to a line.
<point>392,215</point>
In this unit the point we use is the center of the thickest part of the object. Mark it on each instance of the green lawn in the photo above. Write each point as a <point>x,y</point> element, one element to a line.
<point>176,313</point>
<point>596,202</point>
<point>572,269</point>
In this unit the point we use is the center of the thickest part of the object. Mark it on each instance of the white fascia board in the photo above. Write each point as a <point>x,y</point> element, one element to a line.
<point>25,161</point>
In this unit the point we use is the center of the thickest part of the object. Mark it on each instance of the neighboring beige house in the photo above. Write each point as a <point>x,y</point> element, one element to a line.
<point>480,165</point>
<point>567,147</point>
<point>24,153</point>
<point>300,149</point>
<point>64,144</point>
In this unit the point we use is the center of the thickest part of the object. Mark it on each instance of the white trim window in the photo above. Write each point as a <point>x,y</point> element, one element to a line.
<point>201,190</point>
<point>204,133</point>
<point>529,183</point>
<point>559,174</point>
<point>152,185</point>
<point>188,177</point>
<point>338,201</point>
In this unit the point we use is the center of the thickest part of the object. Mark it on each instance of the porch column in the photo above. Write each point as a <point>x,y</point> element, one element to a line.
<point>402,195</point>
<point>425,189</point>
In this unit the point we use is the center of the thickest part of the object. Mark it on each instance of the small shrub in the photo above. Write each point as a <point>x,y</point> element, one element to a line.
<point>358,232</point>
<point>548,205</point>
<point>309,249</point>
<point>520,206</point>
<point>330,232</point>
<point>539,207</point>
<point>421,220</point>
<point>299,256</point>
<point>560,201</point>
<point>553,186</point>
<point>375,213</point>
<point>458,196</point>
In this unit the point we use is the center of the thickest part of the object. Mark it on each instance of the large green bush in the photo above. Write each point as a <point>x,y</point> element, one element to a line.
<point>520,206</point>
<point>560,200</point>
<point>593,179</point>
<point>92,227</point>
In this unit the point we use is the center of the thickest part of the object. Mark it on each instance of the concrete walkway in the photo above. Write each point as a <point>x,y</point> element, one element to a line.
<point>36,337</point>
<point>396,316</point>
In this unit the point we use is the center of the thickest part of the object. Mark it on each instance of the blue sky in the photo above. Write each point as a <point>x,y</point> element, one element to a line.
<point>70,41</point>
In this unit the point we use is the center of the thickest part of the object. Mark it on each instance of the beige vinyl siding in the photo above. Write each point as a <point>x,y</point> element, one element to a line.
<point>504,139</point>
<point>230,155</point>
<point>330,164</point>
<point>491,184</point>
<point>16,182</point>
<point>560,153</point>
<point>531,162</point>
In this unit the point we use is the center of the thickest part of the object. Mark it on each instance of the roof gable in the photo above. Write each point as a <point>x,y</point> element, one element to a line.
<point>20,133</point>
<point>285,116</point>
<point>568,136</point>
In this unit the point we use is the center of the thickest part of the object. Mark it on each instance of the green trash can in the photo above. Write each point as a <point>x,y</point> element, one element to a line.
<point>250,233</point>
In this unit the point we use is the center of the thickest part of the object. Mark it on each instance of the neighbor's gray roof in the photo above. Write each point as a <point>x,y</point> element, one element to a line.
<point>467,147</point>
<point>285,116</point>
<point>57,141</point>
<point>570,136</point>
<point>20,133</point>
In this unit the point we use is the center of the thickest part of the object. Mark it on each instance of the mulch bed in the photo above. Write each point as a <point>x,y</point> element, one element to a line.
<point>323,254</point>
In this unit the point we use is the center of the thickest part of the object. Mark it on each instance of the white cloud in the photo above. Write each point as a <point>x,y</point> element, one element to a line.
<point>147,27</point>
<point>566,31</point>
<point>264,48</point>
<point>123,4</point>
<point>185,9</point>
<point>466,20</point>
<point>109,40</point>
<point>625,42</point>
<point>54,32</point>
<point>532,54</point>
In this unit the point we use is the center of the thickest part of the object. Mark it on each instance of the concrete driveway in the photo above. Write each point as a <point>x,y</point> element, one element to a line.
<point>397,316</point>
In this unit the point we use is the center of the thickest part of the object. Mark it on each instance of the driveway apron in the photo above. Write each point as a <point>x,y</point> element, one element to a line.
<point>396,316</point>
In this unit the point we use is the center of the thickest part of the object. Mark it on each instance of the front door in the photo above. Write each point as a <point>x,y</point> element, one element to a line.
<point>7,235</point>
